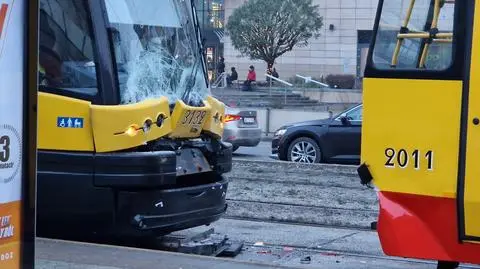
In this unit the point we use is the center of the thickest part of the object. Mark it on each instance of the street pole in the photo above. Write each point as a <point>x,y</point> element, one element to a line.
<point>18,129</point>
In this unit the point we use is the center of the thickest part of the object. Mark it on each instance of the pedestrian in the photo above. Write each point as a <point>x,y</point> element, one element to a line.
<point>232,77</point>
<point>221,67</point>
<point>275,73</point>
<point>251,77</point>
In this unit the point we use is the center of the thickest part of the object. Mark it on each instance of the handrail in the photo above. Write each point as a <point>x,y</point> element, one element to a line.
<point>279,80</point>
<point>220,79</point>
<point>309,79</point>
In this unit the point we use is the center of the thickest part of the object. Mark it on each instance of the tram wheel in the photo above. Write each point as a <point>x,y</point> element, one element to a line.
<point>447,265</point>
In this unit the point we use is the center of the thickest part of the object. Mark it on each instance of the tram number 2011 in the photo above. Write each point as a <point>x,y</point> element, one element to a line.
<point>402,158</point>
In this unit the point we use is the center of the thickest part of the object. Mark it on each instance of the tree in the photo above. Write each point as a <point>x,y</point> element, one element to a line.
<point>266,29</point>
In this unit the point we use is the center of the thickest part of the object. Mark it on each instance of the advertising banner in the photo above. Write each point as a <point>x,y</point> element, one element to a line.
<point>13,90</point>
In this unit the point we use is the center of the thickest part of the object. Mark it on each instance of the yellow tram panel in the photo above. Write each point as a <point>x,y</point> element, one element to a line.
<point>419,118</point>
<point>214,123</point>
<point>54,114</point>
<point>121,127</point>
<point>188,121</point>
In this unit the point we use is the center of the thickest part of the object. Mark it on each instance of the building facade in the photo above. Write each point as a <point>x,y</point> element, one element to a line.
<point>211,16</point>
<point>341,48</point>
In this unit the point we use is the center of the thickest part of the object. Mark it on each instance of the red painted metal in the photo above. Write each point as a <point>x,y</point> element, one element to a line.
<point>423,227</point>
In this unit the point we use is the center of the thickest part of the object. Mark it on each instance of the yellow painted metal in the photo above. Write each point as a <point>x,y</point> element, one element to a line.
<point>214,123</point>
<point>113,128</point>
<point>50,137</point>
<point>412,115</point>
<point>110,124</point>
<point>425,35</point>
<point>472,172</point>
<point>188,121</point>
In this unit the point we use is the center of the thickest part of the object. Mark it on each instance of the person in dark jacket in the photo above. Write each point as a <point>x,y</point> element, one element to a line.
<point>221,67</point>
<point>275,73</point>
<point>232,77</point>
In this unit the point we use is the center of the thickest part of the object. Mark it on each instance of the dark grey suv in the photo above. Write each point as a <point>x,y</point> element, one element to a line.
<point>335,140</point>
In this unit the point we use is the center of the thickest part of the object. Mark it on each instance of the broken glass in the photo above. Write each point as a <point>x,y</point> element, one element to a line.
<point>157,51</point>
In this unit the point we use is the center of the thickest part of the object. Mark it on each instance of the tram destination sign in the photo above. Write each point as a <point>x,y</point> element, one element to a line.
<point>15,146</point>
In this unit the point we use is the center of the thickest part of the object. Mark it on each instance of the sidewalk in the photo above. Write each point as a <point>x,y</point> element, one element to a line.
<point>71,255</point>
<point>276,246</point>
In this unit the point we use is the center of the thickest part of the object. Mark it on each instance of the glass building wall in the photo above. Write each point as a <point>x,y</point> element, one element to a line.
<point>211,13</point>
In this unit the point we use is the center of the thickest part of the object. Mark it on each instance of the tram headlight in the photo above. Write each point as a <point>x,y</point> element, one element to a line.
<point>132,131</point>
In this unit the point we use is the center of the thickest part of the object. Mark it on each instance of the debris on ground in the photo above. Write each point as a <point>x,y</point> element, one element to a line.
<point>306,260</point>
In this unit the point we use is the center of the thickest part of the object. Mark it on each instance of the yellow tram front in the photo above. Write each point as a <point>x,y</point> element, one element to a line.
<point>129,136</point>
<point>421,132</point>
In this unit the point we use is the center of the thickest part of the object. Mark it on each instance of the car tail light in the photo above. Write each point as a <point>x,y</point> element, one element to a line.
<point>229,118</point>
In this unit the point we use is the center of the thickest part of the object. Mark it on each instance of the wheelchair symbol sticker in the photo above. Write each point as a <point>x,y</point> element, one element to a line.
<point>67,122</point>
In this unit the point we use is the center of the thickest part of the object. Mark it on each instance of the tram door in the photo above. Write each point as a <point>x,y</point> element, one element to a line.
<point>469,181</point>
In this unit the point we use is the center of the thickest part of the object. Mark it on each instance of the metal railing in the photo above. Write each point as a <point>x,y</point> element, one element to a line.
<point>281,81</point>
<point>222,79</point>
<point>309,79</point>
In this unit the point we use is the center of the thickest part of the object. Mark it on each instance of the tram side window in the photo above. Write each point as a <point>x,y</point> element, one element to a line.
<point>414,34</point>
<point>66,56</point>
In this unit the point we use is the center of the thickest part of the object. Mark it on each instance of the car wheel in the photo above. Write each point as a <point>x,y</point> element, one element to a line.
<point>235,148</point>
<point>304,150</point>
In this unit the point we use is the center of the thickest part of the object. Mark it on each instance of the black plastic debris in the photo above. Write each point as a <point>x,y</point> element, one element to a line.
<point>306,260</point>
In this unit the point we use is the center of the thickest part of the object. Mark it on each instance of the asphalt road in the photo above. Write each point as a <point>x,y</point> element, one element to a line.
<point>261,152</point>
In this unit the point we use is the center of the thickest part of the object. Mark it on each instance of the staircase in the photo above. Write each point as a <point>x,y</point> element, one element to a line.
<point>274,98</point>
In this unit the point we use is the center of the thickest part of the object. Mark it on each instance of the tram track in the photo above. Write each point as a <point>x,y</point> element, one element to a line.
<point>295,197</point>
<point>301,205</point>
<point>300,223</point>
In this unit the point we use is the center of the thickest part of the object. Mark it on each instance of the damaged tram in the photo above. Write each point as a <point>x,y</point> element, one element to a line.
<point>129,136</point>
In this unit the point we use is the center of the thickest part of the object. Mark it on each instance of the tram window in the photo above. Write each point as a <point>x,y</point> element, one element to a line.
<point>403,41</point>
<point>66,56</point>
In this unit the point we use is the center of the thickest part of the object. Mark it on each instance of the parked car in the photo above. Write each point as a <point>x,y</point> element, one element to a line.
<point>334,140</point>
<point>241,128</point>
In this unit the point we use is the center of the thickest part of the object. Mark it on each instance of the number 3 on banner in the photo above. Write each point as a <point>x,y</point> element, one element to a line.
<point>4,149</point>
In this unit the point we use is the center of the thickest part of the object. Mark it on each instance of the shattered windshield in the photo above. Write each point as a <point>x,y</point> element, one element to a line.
<point>157,50</point>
